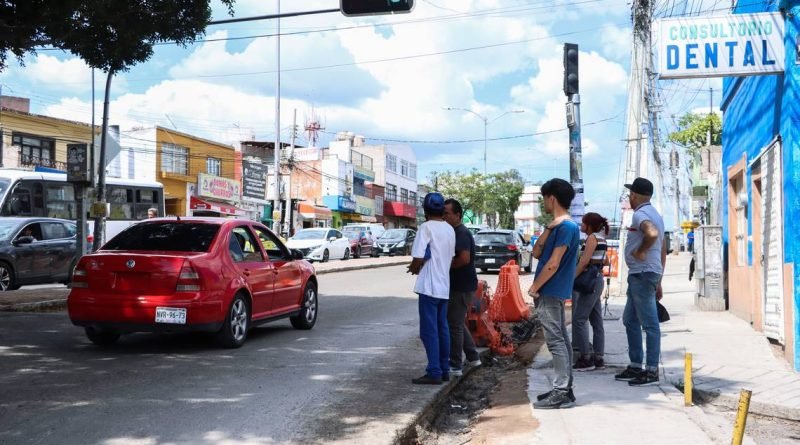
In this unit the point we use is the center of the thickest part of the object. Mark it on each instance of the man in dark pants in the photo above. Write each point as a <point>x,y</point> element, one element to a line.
<point>463,284</point>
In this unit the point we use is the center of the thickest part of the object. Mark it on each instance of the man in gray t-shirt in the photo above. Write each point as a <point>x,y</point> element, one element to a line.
<point>645,256</point>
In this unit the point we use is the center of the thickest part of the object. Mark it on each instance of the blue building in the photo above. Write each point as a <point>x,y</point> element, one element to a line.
<point>761,190</point>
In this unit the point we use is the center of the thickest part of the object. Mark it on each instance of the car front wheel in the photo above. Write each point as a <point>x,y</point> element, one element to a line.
<point>7,281</point>
<point>234,330</point>
<point>346,254</point>
<point>307,316</point>
<point>325,256</point>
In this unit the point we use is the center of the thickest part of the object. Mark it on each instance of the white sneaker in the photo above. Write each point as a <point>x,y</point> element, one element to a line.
<point>456,372</point>
<point>475,363</point>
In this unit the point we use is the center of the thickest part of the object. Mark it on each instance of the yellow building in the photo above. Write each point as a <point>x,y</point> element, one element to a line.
<point>200,176</point>
<point>31,140</point>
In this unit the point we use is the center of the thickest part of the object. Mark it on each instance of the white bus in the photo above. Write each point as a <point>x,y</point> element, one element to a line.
<point>34,193</point>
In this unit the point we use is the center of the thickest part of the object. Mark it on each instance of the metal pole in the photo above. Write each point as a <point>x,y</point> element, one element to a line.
<point>276,223</point>
<point>577,209</point>
<point>485,141</point>
<point>99,221</point>
<point>289,206</point>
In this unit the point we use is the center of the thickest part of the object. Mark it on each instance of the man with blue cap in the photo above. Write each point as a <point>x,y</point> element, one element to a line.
<point>433,251</point>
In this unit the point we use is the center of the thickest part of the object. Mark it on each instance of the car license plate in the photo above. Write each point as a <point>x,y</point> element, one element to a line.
<point>489,260</point>
<point>170,315</point>
<point>385,250</point>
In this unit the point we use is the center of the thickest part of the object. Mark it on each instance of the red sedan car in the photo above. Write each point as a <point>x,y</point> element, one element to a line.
<point>191,274</point>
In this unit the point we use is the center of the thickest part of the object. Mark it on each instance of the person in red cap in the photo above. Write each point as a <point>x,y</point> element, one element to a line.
<point>433,251</point>
<point>645,256</point>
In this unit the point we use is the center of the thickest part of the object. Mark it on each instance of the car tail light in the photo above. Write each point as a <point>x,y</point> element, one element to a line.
<point>80,277</point>
<point>512,247</point>
<point>90,238</point>
<point>189,279</point>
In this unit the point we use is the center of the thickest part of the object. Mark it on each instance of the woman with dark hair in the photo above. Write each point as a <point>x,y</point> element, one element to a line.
<point>587,305</point>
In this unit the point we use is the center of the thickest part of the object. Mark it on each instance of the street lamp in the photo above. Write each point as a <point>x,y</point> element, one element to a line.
<point>486,122</point>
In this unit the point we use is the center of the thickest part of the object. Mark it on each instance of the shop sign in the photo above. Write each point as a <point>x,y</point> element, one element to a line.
<point>365,206</point>
<point>719,46</point>
<point>218,188</point>
<point>254,181</point>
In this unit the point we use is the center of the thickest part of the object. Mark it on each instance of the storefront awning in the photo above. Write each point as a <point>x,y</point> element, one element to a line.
<point>209,205</point>
<point>309,211</point>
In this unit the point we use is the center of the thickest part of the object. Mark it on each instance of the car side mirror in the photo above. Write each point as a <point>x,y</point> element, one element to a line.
<point>24,240</point>
<point>333,238</point>
<point>297,255</point>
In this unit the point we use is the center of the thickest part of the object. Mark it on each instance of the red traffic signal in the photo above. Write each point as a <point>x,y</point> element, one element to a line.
<point>353,8</point>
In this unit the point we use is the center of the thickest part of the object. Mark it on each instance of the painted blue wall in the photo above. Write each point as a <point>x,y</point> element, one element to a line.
<point>756,110</point>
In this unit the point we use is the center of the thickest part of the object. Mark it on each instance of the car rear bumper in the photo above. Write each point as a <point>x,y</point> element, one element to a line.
<point>137,313</point>
<point>493,261</point>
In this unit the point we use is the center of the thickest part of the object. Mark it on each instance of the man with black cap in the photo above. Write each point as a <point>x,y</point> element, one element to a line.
<point>645,256</point>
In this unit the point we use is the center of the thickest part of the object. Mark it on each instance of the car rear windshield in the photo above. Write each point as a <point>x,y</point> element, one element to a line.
<point>493,238</point>
<point>165,236</point>
<point>394,233</point>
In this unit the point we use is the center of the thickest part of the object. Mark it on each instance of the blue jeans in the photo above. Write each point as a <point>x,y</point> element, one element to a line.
<point>435,334</point>
<point>641,314</point>
<point>551,314</point>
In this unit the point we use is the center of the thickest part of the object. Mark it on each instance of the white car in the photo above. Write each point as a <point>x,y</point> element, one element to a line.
<point>320,244</point>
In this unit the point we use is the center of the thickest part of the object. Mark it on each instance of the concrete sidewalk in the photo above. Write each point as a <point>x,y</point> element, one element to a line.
<point>54,297</point>
<point>727,357</point>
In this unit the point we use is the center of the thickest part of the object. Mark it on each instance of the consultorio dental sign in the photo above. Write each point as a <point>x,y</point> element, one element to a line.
<point>731,45</point>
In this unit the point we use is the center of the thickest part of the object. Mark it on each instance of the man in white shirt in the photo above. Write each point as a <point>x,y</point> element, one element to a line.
<point>434,248</point>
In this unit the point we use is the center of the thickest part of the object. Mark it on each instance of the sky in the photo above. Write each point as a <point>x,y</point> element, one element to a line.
<point>391,79</point>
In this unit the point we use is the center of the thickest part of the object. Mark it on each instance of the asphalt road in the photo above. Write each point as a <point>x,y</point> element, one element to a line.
<point>346,381</point>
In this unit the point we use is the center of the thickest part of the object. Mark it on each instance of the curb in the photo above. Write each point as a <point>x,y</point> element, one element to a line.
<point>61,303</point>
<point>731,402</point>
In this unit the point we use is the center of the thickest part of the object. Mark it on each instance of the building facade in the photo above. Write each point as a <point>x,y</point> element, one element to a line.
<point>528,211</point>
<point>396,170</point>
<point>761,193</point>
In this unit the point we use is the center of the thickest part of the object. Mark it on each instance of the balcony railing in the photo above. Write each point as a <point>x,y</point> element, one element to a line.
<point>36,161</point>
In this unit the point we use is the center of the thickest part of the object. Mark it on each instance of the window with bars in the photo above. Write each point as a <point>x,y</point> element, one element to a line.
<point>34,150</point>
<point>404,167</point>
<point>412,198</point>
<point>404,196</point>
<point>412,170</point>
<point>390,193</point>
<point>214,166</point>
<point>391,163</point>
<point>174,159</point>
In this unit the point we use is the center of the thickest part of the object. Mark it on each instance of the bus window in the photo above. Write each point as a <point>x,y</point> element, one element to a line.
<point>145,200</point>
<point>26,200</point>
<point>61,201</point>
<point>121,200</point>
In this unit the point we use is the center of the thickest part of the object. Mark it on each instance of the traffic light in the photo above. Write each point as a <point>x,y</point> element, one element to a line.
<point>353,8</point>
<point>570,69</point>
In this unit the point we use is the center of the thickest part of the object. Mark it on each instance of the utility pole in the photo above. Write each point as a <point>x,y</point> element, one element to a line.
<point>571,90</point>
<point>638,114</point>
<point>276,210</point>
<point>290,165</point>
<point>674,165</point>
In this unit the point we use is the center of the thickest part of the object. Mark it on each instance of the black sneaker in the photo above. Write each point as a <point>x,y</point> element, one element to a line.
<point>646,378</point>
<point>629,374</point>
<point>445,377</point>
<point>427,380</point>
<point>557,399</point>
<point>599,363</point>
<point>583,364</point>
<point>545,395</point>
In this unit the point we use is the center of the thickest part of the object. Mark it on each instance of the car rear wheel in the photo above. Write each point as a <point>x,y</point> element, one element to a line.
<point>307,316</point>
<point>325,256</point>
<point>346,254</point>
<point>234,330</point>
<point>357,253</point>
<point>7,280</point>
<point>101,337</point>
<point>484,269</point>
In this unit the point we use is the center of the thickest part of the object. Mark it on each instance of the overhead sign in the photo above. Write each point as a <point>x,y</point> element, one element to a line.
<point>718,46</point>
<point>218,188</point>
<point>254,181</point>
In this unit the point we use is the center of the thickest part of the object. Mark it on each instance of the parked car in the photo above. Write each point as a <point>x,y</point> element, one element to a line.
<point>36,251</point>
<point>191,274</point>
<point>396,242</point>
<point>494,248</point>
<point>475,228</point>
<point>360,243</point>
<point>373,231</point>
<point>320,244</point>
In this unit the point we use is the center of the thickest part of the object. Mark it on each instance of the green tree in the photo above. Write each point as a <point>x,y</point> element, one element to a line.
<point>468,188</point>
<point>110,35</point>
<point>503,191</point>
<point>692,133</point>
